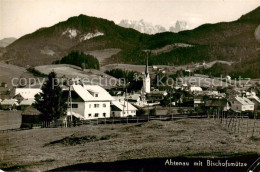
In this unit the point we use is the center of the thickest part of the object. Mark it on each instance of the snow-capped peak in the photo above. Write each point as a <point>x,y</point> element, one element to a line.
<point>142,26</point>
<point>145,27</point>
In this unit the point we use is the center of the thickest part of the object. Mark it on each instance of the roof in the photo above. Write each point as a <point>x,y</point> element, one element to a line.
<point>26,102</point>
<point>254,97</point>
<point>86,92</point>
<point>75,114</point>
<point>123,105</point>
<point>195,88</point>
<point>133,96</point>
<point>27,93</point>
<point>216,103</point>
<point>244,101</point>
<point>31,111</point>
<point>164,93</point>
<point>9,102</point>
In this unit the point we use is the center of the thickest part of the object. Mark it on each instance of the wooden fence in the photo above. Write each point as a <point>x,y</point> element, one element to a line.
<point>239,124</point>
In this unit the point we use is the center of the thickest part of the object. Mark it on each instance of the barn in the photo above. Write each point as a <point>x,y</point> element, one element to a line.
<point>30,117</point>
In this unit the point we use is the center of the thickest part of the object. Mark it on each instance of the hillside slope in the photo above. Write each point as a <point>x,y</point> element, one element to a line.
<point>229,41</point>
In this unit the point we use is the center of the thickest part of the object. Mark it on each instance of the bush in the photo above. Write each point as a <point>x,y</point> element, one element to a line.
<point>35,72</point>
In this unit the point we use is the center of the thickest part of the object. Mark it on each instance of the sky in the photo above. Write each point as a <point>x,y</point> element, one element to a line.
<point>20,17</point>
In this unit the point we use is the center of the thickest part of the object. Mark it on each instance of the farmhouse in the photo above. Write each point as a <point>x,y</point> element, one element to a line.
<point>26,103</point>
<point>242,104</point>
<point>89,101</point>
<point>8,104</point>
<point>27,93</point>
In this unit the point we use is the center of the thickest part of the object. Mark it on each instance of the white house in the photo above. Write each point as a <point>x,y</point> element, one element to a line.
<point>9,104</point>
<point>89,102</point>
<point>27,93</point>
<point>241,104</point>
<point>122,108</point>
<point>195,89</point>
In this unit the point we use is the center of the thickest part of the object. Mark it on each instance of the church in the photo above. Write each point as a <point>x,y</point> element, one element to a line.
<point>146,79</point>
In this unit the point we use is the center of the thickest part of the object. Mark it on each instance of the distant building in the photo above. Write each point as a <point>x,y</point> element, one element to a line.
<point>26,103</point>
<point>216,106</point>
<point>242,104</point>
<point>146,79</point>
<point>122,108</point>
<point>156,96</point>
<point>195,89</point>
<point>256,100</point>
<point>30,117</point>
<point>155,67</point>
<point>228,78</point>
<point>137,99</point>
<point>26,93</point>
<point>9,104</point>
<point>198,101</point>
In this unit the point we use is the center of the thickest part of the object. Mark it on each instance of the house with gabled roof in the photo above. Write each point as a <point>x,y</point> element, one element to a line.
<point>89,102</point>
<point>122,108</point>
<point>242,104</point>
<point>8,104</point>
<point>27,93</point>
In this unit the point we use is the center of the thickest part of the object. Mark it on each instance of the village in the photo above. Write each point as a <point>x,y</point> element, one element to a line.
<point>87,102</point>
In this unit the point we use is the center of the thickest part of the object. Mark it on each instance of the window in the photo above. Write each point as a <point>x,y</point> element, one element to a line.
<point>74,105</point>
<point>96,105</point>
<point>95,95</point>
<point>89,115</point>
<point>89,105</point>
<point>96,114</point>
<point>104,105</point>
<point>104,114</point>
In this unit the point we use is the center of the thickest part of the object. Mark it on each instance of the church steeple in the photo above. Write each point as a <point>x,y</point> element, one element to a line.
<point>146,79</point>
<point>146,66</point>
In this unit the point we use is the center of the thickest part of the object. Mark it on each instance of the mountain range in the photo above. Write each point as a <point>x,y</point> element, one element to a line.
<point>6,41</point>
<point>234,41</point>
<point>148,28</point>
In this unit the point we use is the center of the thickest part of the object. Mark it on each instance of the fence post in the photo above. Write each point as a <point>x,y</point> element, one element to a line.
<point>247,127</point>
<point>253,129</point>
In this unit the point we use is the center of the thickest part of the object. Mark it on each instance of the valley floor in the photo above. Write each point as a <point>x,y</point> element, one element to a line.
<point>49,148</point>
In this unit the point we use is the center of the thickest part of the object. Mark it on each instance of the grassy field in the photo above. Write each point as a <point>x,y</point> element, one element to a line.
<point>10,119</point>
<point>45,149</point>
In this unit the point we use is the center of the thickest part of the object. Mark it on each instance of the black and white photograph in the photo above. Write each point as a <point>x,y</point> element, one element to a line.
<point>130,85</point>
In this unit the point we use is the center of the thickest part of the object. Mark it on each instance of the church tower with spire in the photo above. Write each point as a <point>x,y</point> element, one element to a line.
<point>146,79</point>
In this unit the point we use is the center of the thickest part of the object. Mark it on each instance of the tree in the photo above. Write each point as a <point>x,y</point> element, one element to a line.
<point>51,101</point>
